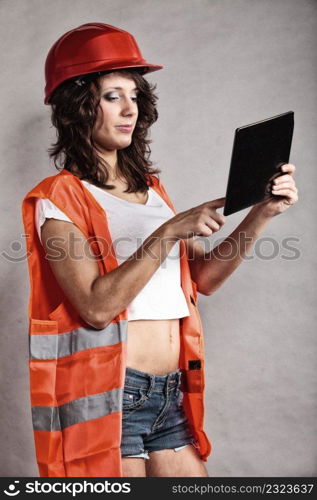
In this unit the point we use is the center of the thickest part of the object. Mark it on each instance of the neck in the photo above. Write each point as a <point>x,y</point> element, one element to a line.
<point>111,158</point>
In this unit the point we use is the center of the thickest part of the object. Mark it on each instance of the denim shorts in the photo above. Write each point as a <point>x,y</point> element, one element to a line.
<point>152,414</point>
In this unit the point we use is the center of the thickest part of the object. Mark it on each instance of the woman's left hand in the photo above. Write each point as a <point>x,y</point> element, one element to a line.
<point>284,193</point>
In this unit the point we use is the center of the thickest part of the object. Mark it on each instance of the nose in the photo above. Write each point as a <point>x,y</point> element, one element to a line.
<point>129,108</point>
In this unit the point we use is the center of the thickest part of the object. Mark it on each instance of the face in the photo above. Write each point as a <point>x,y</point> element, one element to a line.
<point>117,112</point>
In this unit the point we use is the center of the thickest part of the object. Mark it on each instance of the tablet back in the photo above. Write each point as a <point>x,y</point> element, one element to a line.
<point>259,150</point>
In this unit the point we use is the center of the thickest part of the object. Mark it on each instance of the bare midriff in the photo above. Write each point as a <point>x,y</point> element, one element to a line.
<point>153,345</point>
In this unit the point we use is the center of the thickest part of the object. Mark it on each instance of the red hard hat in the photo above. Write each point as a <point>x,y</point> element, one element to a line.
<point>90,48</point>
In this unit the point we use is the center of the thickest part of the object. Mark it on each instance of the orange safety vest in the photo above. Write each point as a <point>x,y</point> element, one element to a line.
<point>77,372</point>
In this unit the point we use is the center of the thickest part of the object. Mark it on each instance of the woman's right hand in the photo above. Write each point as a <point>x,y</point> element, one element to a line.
<point>99,298</point>
<point>202,220</point>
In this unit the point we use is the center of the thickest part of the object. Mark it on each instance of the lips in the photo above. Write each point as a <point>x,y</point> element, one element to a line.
<point>124,128</point>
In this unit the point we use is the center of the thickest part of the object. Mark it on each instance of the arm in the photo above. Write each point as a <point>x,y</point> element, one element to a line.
<point>98,299</point>
<point>209,270</point>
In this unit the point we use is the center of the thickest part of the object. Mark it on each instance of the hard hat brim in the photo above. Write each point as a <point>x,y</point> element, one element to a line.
<point>148,68</point>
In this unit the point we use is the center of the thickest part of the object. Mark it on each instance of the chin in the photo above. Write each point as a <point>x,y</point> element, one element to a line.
<point>123,144</point>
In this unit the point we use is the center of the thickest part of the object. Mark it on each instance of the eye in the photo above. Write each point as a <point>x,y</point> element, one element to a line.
<point>111,96</point>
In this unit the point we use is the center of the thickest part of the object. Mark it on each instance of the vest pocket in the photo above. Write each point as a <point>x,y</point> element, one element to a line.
<point>41,326</point>
<point>66,316</point>
<point>56,313</point>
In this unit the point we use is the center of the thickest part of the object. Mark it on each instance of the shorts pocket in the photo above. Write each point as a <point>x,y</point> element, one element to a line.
<point>133,398</point>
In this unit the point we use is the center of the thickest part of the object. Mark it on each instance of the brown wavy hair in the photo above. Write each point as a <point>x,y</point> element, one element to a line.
<point>74,112</point>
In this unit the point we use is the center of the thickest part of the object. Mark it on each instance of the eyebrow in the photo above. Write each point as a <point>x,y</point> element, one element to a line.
<point>118,88</point>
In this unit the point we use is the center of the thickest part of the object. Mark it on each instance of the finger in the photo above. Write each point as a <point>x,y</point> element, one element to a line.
<point>283,178</point>
<point>288,167</point>
<point>285,192</point>
<point>212,224</point>
<point>278,189</point>
<point>218,203</point>
<point>220,219</point>
<point>284,185</point>
<point>210,210</point>
<point>291,199</point>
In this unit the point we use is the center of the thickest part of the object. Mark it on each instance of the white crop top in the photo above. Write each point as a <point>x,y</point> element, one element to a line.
<point>130,224</point>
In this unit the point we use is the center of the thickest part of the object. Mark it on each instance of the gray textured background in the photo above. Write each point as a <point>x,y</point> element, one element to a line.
<point>227,63</point>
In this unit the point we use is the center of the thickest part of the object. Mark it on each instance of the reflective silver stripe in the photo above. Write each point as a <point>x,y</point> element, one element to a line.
<point>63,344</point>
<point>56,418</point>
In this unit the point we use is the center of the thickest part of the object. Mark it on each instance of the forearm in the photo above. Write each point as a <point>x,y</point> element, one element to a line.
<point>218,264</point>
<point>113,292</point>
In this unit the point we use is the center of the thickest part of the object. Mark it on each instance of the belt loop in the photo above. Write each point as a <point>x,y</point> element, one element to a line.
<point>152,383</point>
<point>179,376</point>
<point>167,383</point>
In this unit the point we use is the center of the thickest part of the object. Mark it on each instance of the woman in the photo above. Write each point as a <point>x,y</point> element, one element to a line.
<point>116,344</point>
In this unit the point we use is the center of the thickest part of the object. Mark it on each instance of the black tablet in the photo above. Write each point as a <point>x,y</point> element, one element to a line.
<point>259,151</point>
